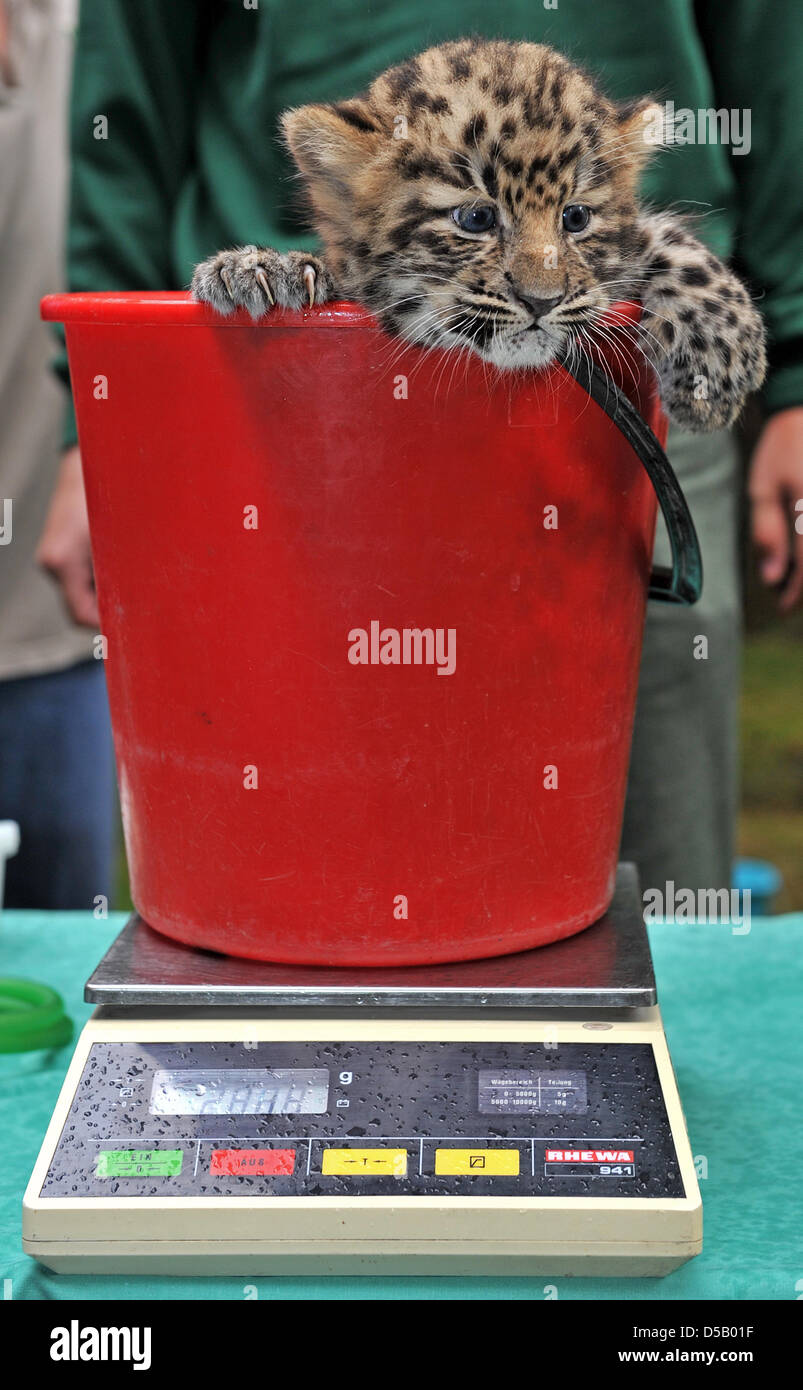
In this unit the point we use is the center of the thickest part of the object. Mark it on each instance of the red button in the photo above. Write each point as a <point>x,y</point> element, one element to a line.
<point>251,1162</point>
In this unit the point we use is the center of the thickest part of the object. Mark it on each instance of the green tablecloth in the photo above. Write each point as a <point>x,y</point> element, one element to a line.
<point>731,1005</point>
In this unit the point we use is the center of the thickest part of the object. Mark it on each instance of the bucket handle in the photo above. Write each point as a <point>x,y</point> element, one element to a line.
<point>682,582</point>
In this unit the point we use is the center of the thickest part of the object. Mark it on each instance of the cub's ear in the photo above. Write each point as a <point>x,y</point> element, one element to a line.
<point>332,142</point>
<point>642,128</point>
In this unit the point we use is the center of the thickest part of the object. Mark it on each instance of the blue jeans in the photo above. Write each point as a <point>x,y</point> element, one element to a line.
<point>57,780</point>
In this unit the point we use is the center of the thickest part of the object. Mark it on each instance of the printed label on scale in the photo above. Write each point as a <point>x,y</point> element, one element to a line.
<point>249,1163</point>
<point>138,1163</point>
<point>614,1162</point>
<point>532,1093</point>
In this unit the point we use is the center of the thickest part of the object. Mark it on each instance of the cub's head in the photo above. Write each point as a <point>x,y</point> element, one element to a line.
<point>482,195</point>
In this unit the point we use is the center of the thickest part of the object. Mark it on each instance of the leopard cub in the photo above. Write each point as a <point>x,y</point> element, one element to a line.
<point>484,196</point>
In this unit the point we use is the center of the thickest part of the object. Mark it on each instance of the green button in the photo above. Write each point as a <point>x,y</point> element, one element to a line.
<point>139,1163</point>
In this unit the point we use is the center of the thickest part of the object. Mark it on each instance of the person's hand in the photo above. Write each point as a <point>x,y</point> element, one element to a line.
<point>776,498</point>
<point>64,549</point>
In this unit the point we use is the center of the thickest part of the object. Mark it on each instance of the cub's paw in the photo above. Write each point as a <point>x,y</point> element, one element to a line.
<point>255,278</point>
<point>699,327</point>
<point>705,387</point>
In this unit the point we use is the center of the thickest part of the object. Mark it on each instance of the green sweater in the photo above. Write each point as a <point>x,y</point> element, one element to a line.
<point>192,90</point>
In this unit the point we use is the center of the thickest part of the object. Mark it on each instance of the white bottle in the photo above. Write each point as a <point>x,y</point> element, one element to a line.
<point>9,844</point>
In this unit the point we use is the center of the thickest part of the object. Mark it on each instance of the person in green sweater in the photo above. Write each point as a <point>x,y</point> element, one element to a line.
<point>176,155</point>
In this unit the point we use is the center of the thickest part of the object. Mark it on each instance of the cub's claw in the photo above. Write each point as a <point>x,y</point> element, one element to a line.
<point>309,281</point>
<point>263,281</point>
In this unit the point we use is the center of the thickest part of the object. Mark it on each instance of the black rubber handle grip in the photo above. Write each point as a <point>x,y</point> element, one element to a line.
<point>683,582</point>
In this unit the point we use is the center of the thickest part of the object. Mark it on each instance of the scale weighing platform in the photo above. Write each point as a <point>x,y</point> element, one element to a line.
<point>517,1115</point>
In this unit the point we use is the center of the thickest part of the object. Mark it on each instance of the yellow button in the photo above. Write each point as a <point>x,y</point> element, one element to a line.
<point>477,1163</point>
<point>353,1163</point>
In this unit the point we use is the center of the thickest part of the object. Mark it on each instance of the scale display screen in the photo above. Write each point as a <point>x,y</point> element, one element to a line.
<point>533,1092</point>
<point>241,1091</point>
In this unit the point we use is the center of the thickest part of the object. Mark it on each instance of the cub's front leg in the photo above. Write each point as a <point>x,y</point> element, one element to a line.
<point>699,328</point>
<point>255,278</point>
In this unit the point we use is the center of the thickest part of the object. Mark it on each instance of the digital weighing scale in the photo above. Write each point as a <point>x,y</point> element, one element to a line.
<point>517,1115</point>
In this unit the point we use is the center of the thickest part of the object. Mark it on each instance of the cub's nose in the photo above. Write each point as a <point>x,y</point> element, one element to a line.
<point>537,307</point>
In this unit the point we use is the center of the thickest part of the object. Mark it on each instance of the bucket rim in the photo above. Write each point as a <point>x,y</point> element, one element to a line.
<point>175,308</point>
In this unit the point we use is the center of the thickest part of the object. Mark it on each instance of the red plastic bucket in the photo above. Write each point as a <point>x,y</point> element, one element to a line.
<point>261,495</point>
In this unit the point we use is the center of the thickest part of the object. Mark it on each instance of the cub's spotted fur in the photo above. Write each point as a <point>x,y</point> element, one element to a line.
<point>484,195</point>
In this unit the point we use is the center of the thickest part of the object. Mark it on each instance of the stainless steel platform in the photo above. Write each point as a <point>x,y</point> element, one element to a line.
<point>606,966</point>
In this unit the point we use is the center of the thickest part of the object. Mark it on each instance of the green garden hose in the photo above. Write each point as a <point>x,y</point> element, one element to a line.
<point>31,1017</point>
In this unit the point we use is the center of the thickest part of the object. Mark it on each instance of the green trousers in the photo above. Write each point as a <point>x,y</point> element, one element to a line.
<point>682,794</point>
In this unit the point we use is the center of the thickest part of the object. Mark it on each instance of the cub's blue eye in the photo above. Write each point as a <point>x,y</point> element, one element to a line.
<point>475,219</point>
<point>576,217</point>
